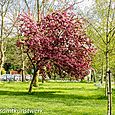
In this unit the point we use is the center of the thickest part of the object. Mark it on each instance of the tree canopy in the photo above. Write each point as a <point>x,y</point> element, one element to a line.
<point>60,39</point>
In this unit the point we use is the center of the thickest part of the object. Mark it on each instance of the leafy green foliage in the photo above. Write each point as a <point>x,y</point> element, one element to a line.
<point>97,30</point>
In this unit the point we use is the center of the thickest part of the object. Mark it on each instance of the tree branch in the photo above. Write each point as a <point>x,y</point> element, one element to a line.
<point>27,5</point>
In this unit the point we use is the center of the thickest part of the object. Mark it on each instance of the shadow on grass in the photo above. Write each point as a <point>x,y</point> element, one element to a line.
<point>62,88</point>
<point>53,94</point>
<point>75,89</point>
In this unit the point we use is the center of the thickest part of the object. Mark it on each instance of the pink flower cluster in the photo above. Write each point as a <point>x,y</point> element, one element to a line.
<point>58,39</point>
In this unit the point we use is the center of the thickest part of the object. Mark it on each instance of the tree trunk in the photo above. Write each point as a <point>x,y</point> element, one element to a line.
<point>108,79</point>
<point>42,79</point>
<point>54,77</point>
<point>2,42</point>
<point>107,67</point>
<point>91,77</point>
<point>38,10</point>
<point>102,75</point>
<point>109,94</point>
<point>33,79</point>
<point>2,58</point>
<point>94,76</point>
<point>114,81</point>
<point>23,63</point>
<point>23,74</point>
<point>49,74</point>
<point>36,80</point>
<point>43,75</point>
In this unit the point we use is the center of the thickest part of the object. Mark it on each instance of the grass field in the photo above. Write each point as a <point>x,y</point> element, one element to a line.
<point>55,98</point>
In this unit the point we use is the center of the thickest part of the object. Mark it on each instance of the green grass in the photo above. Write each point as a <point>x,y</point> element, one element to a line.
<point>55,98</point>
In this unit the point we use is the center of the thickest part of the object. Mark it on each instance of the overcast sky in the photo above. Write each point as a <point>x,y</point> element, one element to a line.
<point>86,3</point>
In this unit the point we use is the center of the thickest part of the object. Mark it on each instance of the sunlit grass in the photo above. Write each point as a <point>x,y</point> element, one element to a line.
<point>55,98</point>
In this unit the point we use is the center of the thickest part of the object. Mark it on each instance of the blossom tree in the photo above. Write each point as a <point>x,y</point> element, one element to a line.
<point>60,39</point>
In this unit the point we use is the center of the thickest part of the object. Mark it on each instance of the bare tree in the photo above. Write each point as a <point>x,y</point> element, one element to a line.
<point>5,29</point>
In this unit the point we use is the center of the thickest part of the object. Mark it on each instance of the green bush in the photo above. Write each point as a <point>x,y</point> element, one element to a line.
<point>3,71</point>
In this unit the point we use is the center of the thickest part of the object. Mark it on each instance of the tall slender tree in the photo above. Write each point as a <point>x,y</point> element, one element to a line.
<point>5,31</point>
<point>102,25</point>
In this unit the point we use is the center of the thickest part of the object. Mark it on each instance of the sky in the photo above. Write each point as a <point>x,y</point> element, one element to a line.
<point>85,3</point>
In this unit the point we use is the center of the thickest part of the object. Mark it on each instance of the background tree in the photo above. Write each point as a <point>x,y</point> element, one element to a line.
<point>102,25</point>
<point>5,27</point>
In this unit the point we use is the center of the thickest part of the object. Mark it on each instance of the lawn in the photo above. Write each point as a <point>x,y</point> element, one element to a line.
<point>56,98</point>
